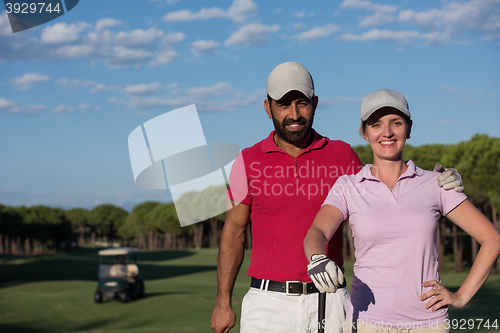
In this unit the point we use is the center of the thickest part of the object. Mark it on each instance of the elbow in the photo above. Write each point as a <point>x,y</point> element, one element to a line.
<point>310,237</point>
<point>493,244</point>
<point>232,234</point>
<point>497,244</point>
<point>496,241</point>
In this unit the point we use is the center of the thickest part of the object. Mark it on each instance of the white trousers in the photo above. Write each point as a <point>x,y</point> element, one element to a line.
<point>269,311</point>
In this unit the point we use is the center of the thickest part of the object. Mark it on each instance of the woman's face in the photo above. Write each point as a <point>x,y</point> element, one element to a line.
<point>386,131</point>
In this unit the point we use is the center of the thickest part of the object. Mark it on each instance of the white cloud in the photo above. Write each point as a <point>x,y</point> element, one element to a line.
<point>81,108</point>
<point>201,105</point>
<point>63,32</point>
<point>187,15</point>
<point>33,109</point>
<point>74,84</point>
<point>63,109</point>
<point>219,89</point>
<point>237,12</point>
<point>25,81</point>
<point>217,97</point>
<point>134,37</point>
<point>6,104</point>
<point>461,91</point>
<point>172,37</point>
<point>13,108</point>
<point>143,89</point>
<point>317,32</point>
<point>377,19</point>
<point>168,2</point>
<point>453,22</point>
<point>102,87</point>
<point>122,56</point>
<point>385,35</point>
<point>106,23</point>
<point>303,14</point>
<point>133,48</point>
<point>86,108</point>
<point>138,36</point>
<point>5,28</point>
<point>201,47</point>
<point>125,53</point>
<point>75,51</point>
<point>455,19</point>
<point>299,25</point>
<point>143,104</point>
<point>448,87</point>
<point>228,105</point>
<point>382,13</point>
<point>368,5</point>
<point>164,57</point>
<point>116,100</point>
<point>251,34</point>
<point>241,9</point>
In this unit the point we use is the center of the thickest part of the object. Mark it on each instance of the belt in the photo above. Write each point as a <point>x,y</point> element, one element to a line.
<point>291,288</point>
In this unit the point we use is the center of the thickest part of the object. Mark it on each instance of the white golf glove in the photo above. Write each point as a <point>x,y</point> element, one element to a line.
<point>449,178</point>
<point>325,274</point>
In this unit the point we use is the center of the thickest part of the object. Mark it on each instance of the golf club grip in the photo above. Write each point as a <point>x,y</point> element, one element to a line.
<point>321,312</point>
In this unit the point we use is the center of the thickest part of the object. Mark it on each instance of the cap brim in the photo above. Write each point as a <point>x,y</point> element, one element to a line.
<point>367,114</point>
<point>278,94</point>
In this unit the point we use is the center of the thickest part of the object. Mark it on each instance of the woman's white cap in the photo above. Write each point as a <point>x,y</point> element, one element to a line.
<point>383,98</point>
<point>289,76</point>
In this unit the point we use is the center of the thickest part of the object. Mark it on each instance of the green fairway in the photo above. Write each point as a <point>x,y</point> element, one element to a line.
<point>54,293</point>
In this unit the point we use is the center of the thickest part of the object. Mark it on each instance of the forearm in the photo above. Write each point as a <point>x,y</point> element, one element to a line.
<point>473,222</point>
<point>324,225</point>
<point>231,253</point>
<point>314,242</point>
<point>480,270</point>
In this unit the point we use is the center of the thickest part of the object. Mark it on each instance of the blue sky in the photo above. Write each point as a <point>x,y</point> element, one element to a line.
<point>73,89</point>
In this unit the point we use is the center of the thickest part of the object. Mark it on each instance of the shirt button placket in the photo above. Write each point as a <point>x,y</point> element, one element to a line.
<point>296,174</point>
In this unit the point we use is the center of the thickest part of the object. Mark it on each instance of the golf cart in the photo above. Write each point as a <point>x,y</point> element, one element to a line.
<point>118,278</point>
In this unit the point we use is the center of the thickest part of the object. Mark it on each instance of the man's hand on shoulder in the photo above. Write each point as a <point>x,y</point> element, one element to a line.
<point>449,178</point>
<point>223,319</point>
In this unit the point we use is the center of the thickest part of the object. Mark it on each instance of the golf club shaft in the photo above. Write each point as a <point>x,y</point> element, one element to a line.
<point>321,312</point>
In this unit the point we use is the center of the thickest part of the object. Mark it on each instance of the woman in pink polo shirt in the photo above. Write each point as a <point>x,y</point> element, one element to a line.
<point>393,209</point>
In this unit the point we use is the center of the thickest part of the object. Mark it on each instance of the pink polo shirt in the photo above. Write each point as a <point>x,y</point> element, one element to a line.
<point>395,243</point>
<point>285,193</point>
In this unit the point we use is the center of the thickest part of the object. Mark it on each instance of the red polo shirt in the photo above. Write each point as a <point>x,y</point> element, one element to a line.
<point>285,194</point>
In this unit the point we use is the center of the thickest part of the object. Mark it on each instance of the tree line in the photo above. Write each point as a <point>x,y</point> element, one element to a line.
<point>150,225</point>
<point>154,225</point>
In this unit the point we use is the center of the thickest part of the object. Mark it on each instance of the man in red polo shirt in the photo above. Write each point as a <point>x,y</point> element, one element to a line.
<point>280,183</point>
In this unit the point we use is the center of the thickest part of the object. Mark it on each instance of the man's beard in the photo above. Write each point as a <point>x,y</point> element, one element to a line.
<point>293,136</point>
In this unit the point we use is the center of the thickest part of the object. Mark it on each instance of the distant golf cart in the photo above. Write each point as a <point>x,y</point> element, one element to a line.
<point>118,278</point>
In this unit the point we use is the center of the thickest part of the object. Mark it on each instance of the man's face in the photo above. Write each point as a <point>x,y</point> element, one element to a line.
<point>292,116</point>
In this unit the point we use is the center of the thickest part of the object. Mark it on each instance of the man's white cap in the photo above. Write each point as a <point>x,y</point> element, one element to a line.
<point>383,98</point>
<point>289,76</point>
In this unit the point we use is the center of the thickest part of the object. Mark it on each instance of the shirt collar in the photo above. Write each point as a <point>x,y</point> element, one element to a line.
<point>269,145</point>
<point>366,173</point>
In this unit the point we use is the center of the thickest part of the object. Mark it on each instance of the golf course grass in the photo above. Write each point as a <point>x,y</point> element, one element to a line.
<point>54,293</point>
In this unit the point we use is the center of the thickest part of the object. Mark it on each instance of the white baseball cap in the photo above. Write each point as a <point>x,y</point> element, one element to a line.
<point>289,76</point>
<point>383,98</point>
